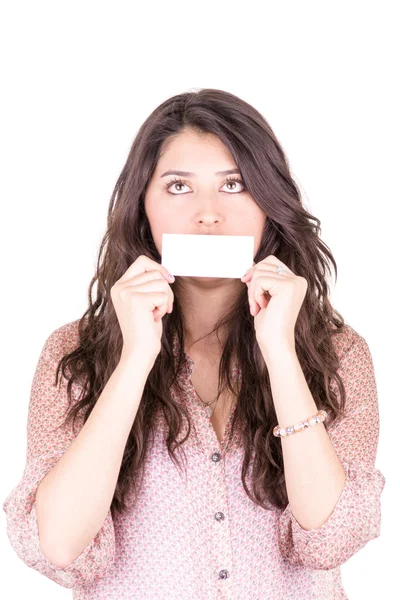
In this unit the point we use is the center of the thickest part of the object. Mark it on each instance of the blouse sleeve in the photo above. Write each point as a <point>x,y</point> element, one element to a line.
<point>45,446</point>
<point>356,517</point>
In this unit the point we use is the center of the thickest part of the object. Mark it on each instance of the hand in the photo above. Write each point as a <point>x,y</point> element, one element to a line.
<point>141,297</point>
<point>275,300</point>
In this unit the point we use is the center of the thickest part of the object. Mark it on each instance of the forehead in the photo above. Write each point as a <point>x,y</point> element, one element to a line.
<point>188,147</point>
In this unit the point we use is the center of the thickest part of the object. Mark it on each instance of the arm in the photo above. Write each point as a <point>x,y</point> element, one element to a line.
<point>59,517</point>
<point>333,487</point>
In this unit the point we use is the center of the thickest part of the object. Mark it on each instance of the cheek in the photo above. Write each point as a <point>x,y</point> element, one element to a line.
<point>156,213</point>
<point>168,220</point>
<point>165,221</point>
<point>253,221</point>
<point>254,224</point>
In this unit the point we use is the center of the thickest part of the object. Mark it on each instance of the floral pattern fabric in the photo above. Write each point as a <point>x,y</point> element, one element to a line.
<point>196,535</point>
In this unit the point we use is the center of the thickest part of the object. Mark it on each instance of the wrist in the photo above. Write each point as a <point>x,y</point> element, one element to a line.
<point>134,357</point>
<point>278,351</point>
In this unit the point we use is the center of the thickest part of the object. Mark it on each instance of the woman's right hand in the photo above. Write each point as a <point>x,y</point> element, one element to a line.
<point>141,297</point>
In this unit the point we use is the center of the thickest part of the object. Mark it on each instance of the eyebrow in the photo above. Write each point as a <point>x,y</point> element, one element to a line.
<point>189,174</point>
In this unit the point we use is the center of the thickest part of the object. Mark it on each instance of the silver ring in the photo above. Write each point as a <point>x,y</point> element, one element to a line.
<point>280,269</point>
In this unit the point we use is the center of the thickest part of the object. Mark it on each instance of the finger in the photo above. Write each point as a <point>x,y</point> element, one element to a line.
<point>142,265</point>
<point>248,271</point>
<point>270,263</point>
<point>266,285</point>
<point>153,275</point>
<point>259,287</point>
<point>161,313</point>
<point>153,284</point>
<point>265,267</point>
<point>275,261</point>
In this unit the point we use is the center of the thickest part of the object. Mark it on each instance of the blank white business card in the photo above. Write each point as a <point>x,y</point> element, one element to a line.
<point>207,255</point>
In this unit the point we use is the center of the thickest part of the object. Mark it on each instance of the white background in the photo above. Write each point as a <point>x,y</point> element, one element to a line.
<point>78,80</point>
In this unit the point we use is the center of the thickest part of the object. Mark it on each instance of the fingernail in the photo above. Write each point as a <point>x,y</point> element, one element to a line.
<point>171,277</point>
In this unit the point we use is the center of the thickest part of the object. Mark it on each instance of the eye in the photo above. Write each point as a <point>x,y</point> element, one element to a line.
<point>228,181</point>
<point>235,180</point>
<point>174,182</point>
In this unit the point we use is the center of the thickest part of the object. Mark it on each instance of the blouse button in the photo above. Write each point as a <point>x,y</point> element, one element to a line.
<point>223,574</point>
<point>216,457</point>
<point>219,516</point>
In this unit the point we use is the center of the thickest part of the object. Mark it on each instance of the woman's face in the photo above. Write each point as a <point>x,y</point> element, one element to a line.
<point>203,202</point>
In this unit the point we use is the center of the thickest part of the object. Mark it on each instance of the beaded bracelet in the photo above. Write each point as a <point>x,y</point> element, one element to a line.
<point>318,418</point>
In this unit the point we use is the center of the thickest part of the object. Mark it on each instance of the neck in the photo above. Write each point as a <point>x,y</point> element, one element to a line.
<point>205,301</point>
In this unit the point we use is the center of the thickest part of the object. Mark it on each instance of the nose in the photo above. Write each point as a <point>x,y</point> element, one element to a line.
<point>208,220</point>
<point>208,216</point>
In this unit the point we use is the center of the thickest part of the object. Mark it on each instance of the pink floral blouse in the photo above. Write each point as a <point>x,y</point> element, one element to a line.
<point>201,537</point>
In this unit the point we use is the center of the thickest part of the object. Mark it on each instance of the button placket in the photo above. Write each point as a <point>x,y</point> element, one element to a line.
<point>206,438</point>
<point>221,535</point>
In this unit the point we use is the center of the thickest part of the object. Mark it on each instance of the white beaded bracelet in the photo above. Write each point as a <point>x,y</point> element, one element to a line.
<point>284,431</point>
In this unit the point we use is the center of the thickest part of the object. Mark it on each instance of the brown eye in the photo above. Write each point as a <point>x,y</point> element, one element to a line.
<point>235,181</point>
<point>228,181</point>
<point>174,182</point>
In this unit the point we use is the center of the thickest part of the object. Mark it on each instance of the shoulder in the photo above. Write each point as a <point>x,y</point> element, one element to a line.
<point>349,343</point>
<point>62,340</point>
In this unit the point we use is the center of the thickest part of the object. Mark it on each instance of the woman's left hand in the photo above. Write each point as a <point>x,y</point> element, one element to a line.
<point>274,316</point>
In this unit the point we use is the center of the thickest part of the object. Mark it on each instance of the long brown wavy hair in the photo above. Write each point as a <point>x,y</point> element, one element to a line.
<point>291,234</point>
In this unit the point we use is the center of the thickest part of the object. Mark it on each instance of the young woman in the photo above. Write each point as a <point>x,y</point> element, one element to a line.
<point>201,465</point>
